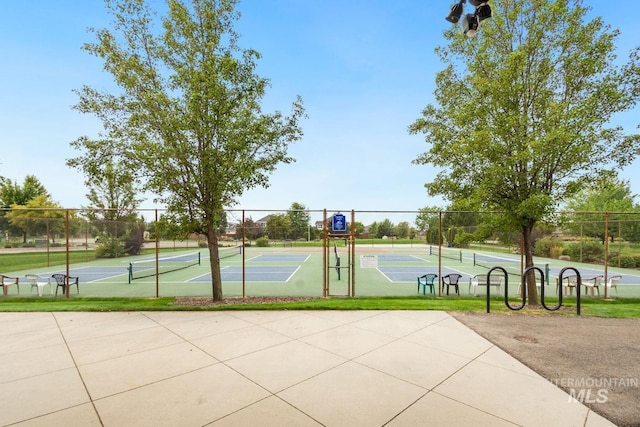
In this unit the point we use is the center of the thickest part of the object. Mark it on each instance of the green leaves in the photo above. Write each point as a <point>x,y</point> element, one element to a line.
<point>523,110</point>
<point>187,118</point>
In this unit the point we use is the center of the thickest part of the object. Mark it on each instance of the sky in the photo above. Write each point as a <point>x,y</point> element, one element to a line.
<point>365,69</point>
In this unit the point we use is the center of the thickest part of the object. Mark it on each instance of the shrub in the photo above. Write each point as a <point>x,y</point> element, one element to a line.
<point>462,239</point>
<point>592,251</point>
<point>557,251</point>
<point>262,242</point>
<point>547,247</point>
<point>625,261</point>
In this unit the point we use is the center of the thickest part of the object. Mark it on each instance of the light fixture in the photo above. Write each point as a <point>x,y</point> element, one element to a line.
<point>470,24</point>
<point>483,11</point>
<point>456,12</point>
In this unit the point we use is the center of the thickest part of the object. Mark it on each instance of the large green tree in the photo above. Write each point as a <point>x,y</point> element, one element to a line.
<point>12,193</point>
<point>611,198</point>
<point>300,219</point>
<point>187,114</point>
<point>523,111</point>
<point>39,216</point>
<point>279,226</point>
<point>112,211</point>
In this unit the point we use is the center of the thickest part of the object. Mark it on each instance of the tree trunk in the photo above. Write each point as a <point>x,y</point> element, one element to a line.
<point>214,259</point>
<point>527,247</point>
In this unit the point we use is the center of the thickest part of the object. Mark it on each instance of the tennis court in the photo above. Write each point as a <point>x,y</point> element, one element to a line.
<point>294,258</point>
<point>400,258</point>
<point>300,272</point>
<point>96,274</point>
<point>252,274</point>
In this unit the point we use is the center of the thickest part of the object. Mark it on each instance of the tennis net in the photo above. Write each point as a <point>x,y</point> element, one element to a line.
<point>229,251</point>
<point>450,253</point>
<point>147,267</point>
<point>513,266</point>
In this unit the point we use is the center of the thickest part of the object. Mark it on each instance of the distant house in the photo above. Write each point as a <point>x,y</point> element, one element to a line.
<point>262,222</point>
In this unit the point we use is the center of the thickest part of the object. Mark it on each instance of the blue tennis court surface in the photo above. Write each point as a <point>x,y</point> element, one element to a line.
<point>279,258</point>
<point>410,274</point>
<point>252,274</point>
<point>400,258</point>
<point>93,274</point>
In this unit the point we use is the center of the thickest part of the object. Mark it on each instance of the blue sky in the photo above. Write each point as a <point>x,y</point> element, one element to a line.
<point>364,68</point>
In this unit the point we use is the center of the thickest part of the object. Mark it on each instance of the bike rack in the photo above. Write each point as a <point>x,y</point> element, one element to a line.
<point>542,285</point>
<point>506,287</point>
<point>578,285</point>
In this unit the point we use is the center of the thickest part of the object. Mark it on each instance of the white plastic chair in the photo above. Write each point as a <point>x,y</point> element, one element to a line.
<point>481,280</point>
<point>39,282</point>
<point>612,282</point>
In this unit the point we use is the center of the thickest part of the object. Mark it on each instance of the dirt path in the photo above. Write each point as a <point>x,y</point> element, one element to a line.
<point>599,359</point>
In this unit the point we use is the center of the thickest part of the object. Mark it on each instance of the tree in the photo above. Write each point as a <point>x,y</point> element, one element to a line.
<point>112,210</point>
<point>519,129</point>
<point>385,228</point>
<point>613,196</point>
<point>12,193</point>
<point>401,230</point>
<point>278,226</point>
<point>299,218</point>
<point>252,230</point>
<point>39,216</point>
<point>187,118</point>
<point>358,228</point>
<point>428,223</point>
<point>373,229</point>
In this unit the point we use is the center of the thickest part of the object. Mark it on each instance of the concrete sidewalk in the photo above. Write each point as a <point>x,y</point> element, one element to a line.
<point>267,368</point>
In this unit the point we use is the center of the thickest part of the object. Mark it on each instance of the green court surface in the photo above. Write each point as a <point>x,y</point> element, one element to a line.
<point>375,271</point>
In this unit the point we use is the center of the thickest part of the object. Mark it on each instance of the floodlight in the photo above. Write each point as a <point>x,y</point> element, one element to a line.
<point>483,12</point>
<point>455,12</point>
<point>476,3</point>
<point>470,24</point>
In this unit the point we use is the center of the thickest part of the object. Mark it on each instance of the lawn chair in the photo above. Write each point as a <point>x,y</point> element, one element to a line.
<point>39,282</point>
<point>63,281</point>
<point>427,280</point>
<point>6,281</point>
<point>613,283</point>
<point>592,283</point>
<point>481,280</point>
<point>569,283</point>
<point>452,280</point>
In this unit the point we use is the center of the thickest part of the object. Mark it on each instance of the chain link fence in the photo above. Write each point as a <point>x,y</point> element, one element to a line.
<point>297,253</point>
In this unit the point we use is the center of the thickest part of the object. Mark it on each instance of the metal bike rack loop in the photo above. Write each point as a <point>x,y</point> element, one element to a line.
<point>523,284</point>
<point>506,286</point>
<point>578,285</point>
<point>542,286</point>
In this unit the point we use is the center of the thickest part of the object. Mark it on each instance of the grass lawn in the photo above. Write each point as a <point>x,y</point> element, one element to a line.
<point>626,308</point>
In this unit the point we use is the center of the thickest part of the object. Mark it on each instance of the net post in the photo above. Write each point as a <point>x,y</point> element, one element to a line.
<point>199,258</point>
<point>130,268</point>
<point>547,272</point>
